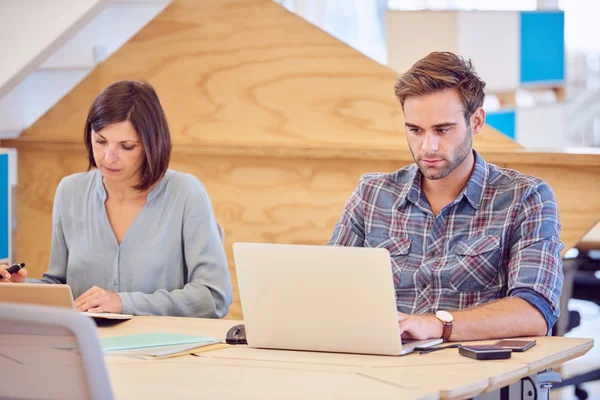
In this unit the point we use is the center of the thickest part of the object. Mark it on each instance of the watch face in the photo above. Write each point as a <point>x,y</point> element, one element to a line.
<point>444,316</point>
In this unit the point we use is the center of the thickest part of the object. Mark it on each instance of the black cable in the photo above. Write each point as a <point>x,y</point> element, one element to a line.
<point>427,350</point>
<point>535,392</point>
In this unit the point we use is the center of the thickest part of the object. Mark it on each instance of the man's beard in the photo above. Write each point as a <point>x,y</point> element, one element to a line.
<point>447,165</point>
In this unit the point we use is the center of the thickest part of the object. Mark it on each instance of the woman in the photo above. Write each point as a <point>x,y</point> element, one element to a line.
<point>131,236</point>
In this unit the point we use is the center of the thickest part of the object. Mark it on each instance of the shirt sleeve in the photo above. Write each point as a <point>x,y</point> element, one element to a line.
<point>350,230</point>
<point>59,253</point>
<point>539,302</point>
<point>535,261</point>
<point>208,292</point>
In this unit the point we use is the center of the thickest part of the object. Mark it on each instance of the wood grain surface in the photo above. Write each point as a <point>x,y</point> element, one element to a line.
<point>278,120</point>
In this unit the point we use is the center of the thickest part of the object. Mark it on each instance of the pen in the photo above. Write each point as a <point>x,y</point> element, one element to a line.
<point>15,268</point>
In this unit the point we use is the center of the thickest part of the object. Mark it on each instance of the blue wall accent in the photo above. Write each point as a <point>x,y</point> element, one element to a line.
<point>504,121</point>
<point>4,211</point>
<point>542,46</point>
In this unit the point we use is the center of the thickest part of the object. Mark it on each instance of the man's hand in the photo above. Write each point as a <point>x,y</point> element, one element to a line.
<point>420,327</point>
<point>97,299</point>
<point>18,277</point>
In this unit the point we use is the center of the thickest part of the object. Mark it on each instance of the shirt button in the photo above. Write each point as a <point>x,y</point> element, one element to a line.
<point>432,254</point>
<point>424,286</point>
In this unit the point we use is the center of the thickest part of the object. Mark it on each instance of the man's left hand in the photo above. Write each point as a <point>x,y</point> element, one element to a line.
<point>420,327</point>
<point>97,299</point>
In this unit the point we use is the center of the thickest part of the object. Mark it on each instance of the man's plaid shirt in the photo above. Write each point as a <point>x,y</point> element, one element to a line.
<point>499,238</point>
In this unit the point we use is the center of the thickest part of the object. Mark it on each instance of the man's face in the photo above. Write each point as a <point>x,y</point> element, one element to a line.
<point>437,133</point>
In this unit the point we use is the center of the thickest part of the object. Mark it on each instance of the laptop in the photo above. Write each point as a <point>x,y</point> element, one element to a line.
<point>50,353</point>
<point>320,298</point>
<point>48,295</point>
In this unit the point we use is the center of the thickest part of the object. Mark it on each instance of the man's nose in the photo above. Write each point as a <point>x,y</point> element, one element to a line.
<point>430,142</point>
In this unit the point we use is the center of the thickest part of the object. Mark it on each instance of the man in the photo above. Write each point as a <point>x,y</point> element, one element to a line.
<point>475,248</point>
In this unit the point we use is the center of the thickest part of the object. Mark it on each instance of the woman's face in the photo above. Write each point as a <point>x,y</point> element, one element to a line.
<point>118,152</point>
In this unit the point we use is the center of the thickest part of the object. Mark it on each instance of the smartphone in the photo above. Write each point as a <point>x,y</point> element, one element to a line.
<point>485,352</point>
<point>516,345</point>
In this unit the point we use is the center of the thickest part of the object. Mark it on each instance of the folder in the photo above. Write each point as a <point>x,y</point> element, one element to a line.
<point>154,341</point>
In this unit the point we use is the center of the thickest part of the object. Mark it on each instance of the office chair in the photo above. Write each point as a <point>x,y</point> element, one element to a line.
<point>50,353</point>
<point>221,233</point>
<point>584,285</point>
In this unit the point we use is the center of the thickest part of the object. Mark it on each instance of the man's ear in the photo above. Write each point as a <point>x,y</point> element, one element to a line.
<point>477,120</point>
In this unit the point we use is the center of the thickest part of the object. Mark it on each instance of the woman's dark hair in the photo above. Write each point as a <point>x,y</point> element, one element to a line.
<point>136,102</point>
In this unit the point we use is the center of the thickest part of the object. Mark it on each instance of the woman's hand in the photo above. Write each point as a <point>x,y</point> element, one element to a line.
<point>17,277</point>
<point>99,300</point>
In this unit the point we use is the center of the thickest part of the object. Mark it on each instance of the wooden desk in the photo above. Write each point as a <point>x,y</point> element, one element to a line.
<point>591,240</point>
<point>243,372</point>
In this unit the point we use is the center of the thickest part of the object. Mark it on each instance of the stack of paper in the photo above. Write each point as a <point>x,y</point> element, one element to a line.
<point>153,345</point>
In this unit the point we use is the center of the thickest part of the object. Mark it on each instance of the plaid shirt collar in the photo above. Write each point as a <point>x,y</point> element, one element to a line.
<point>473,191</point>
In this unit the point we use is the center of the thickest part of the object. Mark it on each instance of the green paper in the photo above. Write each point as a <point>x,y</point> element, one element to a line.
<point>151,340</point>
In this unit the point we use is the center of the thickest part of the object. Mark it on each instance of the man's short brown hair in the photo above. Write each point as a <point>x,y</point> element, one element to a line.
<point>138,103</point>
<point>439,71</point>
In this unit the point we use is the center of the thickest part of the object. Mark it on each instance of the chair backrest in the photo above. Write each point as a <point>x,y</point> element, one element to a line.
<point>50,352</point>
<point>221,232</point>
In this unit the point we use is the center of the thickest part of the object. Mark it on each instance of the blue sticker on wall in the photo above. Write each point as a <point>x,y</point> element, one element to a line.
<point>504,121</point>
<point>4,211</point>
<point>542,46</point>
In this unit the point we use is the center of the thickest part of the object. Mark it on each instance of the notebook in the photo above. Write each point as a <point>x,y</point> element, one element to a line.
<point>156,339</point>
<point>155,345</point>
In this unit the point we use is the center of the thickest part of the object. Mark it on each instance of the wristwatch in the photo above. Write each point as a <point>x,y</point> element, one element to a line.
<point>447,320</point>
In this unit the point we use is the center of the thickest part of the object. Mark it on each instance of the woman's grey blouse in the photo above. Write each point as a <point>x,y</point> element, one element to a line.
<point>171,261</point>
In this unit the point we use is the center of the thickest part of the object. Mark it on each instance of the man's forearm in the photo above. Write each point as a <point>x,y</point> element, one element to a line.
<point>510,317</point>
